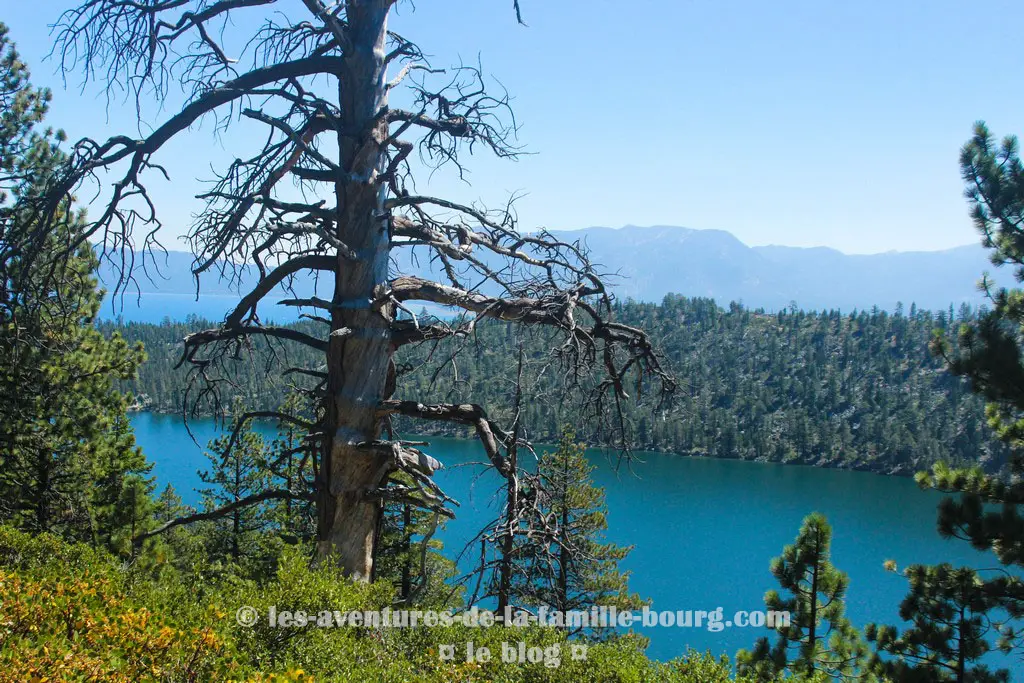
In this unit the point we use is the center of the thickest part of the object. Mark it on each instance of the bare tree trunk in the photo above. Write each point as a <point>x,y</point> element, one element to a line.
<point>960,654</point>
<point>812,631</point>
<point>359,350</point>
<point>564,556</point>
<point>512,512</point>
<point>508,541</point>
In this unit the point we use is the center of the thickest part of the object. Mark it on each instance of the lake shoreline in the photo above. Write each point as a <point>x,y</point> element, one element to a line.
<point>547,439</point>
<point>675,511</point>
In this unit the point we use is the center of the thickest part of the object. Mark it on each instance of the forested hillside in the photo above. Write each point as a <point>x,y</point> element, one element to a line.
<point>854,390</point>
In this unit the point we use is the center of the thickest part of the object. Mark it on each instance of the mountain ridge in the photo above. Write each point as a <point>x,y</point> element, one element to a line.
<point>646,263</point>
<point>774,276</point>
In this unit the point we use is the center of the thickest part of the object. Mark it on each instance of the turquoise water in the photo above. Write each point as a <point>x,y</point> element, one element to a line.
<point>703,531</point>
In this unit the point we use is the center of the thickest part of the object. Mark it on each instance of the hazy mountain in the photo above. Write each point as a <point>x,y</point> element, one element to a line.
<point>660,259</point>
<point>649,262</point>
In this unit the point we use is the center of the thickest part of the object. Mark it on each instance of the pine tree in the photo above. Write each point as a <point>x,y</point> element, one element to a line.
<point>290,467</point>
<point>819,637</point>
<point>238,472</point>
<point>67,456</point>
<point>989,355</point>
<point>120,493</point>
<point>410,556</point>
<point>586,568</point>
<point>181,549</point>
<point>949,608</point>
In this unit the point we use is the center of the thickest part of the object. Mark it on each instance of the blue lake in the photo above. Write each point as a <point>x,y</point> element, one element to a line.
<point>703,530</point>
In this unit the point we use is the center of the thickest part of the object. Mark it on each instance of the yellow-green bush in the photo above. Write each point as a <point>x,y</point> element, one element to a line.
<point>68,613</point>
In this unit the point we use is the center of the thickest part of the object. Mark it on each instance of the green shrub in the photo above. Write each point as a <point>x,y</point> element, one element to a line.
<point>71,613</point>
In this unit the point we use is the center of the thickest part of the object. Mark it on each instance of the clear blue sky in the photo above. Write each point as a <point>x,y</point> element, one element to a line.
<point>799,123</point>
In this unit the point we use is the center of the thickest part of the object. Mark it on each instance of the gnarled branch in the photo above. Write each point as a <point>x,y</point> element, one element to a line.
<point>224,511</point>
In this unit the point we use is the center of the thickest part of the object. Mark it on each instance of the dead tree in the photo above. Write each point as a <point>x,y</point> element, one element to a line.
<point>518,557</point>
<point>331,193</point>
<point>513,502</point>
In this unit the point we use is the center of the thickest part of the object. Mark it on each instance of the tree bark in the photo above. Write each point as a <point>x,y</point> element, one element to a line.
<point>508,541</point>
<point>512,511</point>
<point>562,596</point>
<point>358,362</point>
<point>812,630</point>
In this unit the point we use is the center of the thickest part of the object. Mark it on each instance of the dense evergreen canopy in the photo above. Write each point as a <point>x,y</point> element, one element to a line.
<point>857,390</point>
<point>68,463</point>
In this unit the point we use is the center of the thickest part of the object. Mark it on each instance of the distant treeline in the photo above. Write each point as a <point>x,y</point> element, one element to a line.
<point>858,390</point>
